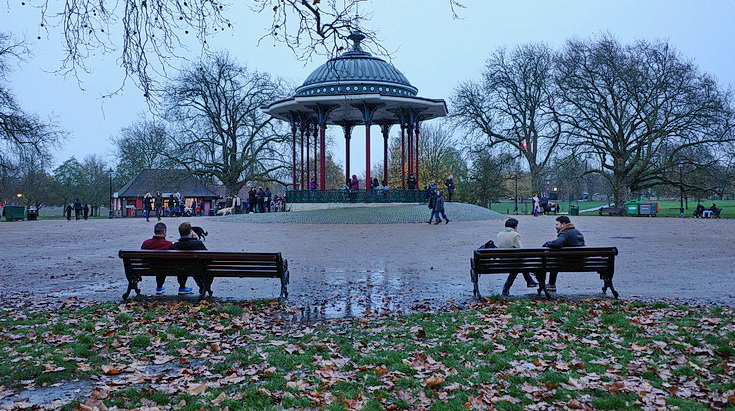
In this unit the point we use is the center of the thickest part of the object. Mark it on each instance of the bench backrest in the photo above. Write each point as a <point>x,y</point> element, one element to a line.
<point>204,262</point>
<point>570,259</point>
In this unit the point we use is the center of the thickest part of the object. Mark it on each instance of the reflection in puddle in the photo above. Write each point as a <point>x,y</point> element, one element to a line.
<point>359,292</point>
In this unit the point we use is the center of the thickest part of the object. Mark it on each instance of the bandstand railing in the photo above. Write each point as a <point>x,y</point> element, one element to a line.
<point>355,196</point>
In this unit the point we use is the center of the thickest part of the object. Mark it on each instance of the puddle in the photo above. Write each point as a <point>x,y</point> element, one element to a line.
<point>58,393</point>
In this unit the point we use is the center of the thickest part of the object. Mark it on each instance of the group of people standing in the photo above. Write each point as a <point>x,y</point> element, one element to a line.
<point>176,206</point>
<point>258,201</point>
<point>80,211</point>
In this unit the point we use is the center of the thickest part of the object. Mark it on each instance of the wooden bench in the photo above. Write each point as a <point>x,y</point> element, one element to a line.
<point>619,211</point>
<point>204,266</point>
<point>539,261</point>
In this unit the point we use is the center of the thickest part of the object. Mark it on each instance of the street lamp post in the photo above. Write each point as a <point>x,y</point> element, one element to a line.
<point>110,171</point>
<point>680,166</point>
<point>515,210</point>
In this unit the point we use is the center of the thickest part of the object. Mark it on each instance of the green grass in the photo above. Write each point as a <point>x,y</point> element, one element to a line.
<point>499,354</point>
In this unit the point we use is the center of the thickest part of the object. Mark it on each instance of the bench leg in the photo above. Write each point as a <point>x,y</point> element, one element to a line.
<point>475,286</point>
<point>607,283</point>
<point>541,280</point>
<point>132,285</point>
<point>284,286</point>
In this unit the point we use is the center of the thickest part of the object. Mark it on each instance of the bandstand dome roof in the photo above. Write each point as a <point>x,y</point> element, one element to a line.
<point>356,72</point>
<point>354,78</point>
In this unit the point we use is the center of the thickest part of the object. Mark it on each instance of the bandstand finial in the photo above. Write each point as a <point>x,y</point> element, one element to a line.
<point>356,37</point>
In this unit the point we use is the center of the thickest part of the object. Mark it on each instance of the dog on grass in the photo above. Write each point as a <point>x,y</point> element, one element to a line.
<point>225,211</point>
<point>201,234</point>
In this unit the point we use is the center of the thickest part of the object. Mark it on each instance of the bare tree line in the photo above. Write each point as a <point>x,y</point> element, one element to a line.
<point>632,112</point>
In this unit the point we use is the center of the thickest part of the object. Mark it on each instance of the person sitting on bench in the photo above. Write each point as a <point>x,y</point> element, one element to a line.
<point>159,242</point>
<point>188,241</point>
<point>511,238</point>
<point>699,211</point>
<point>715,212</point>
<point>567,236</point>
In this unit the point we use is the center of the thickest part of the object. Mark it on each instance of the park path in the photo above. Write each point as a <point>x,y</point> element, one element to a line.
<point>348,269</point>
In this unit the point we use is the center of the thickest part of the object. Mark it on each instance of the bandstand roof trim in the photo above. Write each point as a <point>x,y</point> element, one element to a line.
<point>344,108</point>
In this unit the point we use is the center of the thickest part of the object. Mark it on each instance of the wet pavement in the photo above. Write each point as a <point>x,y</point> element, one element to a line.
<point>347,270</point>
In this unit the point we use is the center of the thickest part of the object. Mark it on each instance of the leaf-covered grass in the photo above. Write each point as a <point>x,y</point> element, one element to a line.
<point>498,354</point>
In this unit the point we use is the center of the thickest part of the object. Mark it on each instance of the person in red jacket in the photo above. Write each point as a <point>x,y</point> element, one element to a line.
<point>159,242</point>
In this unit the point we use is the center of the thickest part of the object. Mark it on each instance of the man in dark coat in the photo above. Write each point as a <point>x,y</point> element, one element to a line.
<point>439,208</point>
<point>77,209</point>
<point>159,205</point>
<point>449,182</point>
<point>567,236</point>
<point>188,241</point>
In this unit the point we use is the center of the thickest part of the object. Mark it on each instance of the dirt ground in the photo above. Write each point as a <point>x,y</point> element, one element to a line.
<point>346,270</point>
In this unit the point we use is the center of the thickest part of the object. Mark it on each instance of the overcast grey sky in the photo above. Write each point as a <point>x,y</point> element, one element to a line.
<point>434,51</point>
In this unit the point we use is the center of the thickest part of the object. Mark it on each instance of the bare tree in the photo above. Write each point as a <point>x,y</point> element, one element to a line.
<point>23,136</point>
<point>488,176</point>
<point>141,145</point>
<point>149,34</point>
<point>637,109</point>
<point>220,130</point>
<point>514,106</point>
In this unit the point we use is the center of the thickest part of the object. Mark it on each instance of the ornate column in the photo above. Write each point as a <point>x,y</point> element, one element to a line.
<point>418,132</point>
<point>322,115</point>
<point>305,183</point>
<point>303,125</point>
<point>293,118</point>
<point>347,127</point>
<point>367,111</point>
<point>385,129</point>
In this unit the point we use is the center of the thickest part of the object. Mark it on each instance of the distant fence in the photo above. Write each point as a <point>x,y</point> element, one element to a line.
<point>356,196</point>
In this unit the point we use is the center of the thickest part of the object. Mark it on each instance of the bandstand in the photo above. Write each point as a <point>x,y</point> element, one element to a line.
<point>354,89</point>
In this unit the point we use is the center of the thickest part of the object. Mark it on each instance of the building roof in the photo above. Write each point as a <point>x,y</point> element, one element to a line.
<point>356,72</point>
<point>355,88</point>
<point>165,181</point>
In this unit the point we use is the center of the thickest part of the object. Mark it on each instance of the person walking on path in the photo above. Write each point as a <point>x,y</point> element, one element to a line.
<point>77,209</point>
<point>236,204</point>
<point>147,205</point>
<point>85,211</point>
<point>69,207</point>
<point>439,208</point>
<point>536,205</point>
<point>159,205</point>
<point>268,197</point>
<point>511,238</point>
<point>567,236</point>
<point>449,182</point>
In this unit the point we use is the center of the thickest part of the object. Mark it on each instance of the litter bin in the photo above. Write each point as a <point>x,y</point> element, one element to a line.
<point>648,209</point>
<point>14,212</point>
<point>632,207</point>
<point>574,210</point>
<point>32,213</point>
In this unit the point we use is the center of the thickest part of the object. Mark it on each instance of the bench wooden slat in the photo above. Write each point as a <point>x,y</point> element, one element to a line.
<point>203,265</point>
<point>542,260</point>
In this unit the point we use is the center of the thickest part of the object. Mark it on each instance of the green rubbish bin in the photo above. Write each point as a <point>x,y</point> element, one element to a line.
<point>632,207</point>
<point>574,210</point>
<point>14,212</point>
